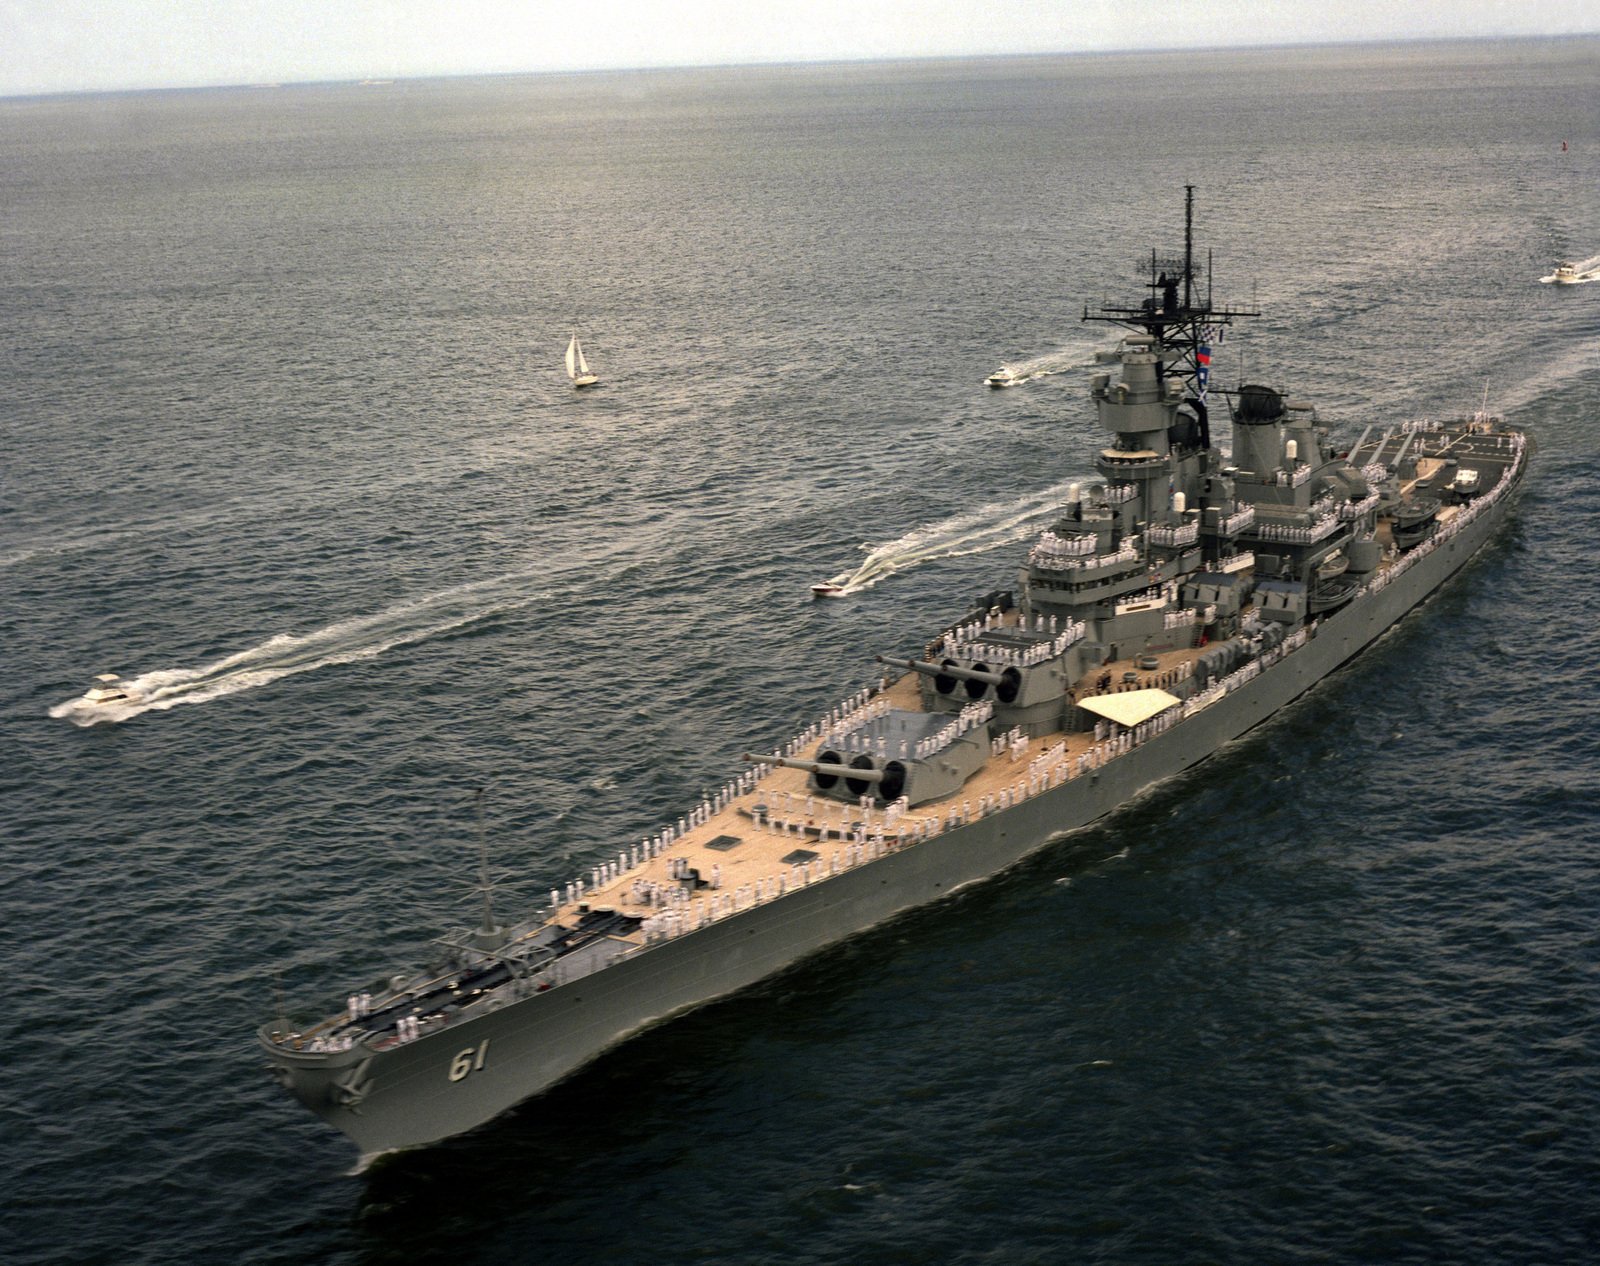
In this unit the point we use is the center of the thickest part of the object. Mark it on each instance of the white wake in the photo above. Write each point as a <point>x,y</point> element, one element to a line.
<point>973,532</point>
<point>362,637</point>
<point>1060,361</point>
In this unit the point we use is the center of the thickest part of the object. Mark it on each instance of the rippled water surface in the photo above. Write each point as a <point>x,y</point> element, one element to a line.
<point>287,443</point>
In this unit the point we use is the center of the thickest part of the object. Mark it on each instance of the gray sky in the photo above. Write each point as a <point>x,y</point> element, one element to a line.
<point>74,45</point>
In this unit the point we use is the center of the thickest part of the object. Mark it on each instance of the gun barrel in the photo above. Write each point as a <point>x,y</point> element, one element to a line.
<point>817,767</point>
<point>939,670</point>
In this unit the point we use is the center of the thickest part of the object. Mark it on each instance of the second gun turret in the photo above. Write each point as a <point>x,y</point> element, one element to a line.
<point>1027,694</point>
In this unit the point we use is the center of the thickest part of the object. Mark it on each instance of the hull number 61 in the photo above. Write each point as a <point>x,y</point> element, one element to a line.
<point>469,1061</point>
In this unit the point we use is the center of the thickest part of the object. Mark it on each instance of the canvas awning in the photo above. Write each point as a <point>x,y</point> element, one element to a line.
<point>1131,706</point>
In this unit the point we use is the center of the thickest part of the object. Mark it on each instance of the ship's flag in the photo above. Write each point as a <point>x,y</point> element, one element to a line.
<point>1202,369</point>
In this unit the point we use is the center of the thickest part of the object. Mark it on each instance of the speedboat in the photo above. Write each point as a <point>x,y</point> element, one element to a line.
<point>827,589</point>
<point>1002,377</point>
<point>109,688</point>
<point>1566,273</point>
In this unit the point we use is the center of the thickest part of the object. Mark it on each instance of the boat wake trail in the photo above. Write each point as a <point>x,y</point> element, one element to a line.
<point>976,531</point>
<point>285,654</point>
<point>1061,361</point>
<point>1584,270</point>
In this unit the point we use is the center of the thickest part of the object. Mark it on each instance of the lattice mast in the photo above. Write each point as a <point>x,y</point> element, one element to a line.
<point>1184,328</point>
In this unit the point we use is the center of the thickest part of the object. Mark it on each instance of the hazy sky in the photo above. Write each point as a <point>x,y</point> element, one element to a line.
<point>71,45</point>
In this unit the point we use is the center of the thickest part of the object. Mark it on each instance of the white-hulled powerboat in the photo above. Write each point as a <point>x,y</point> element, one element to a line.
<point>109,688</point>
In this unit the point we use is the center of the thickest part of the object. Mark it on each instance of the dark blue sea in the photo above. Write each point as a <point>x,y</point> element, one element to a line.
<point>286,440</point>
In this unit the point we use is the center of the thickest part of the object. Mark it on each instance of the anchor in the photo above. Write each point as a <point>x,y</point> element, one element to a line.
<point>354,1088</point>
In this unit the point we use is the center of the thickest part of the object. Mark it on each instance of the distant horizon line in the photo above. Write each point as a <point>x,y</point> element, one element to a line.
<point>378,79</point>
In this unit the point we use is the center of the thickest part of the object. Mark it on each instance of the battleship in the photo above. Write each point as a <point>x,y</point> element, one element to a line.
<point>1181,599</point>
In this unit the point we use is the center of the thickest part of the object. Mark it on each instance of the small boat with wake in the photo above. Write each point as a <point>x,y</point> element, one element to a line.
<point>1005,376</point>
<point>110,688</point>
<point>1567,273</point>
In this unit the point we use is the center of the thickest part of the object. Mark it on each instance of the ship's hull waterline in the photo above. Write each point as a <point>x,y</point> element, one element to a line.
<point>451,1080</point>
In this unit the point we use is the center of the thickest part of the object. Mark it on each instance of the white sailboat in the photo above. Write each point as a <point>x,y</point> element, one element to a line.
<point>578,368</point>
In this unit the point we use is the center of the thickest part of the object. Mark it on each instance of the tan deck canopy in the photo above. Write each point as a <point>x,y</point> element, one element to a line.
<point>1130,707</point>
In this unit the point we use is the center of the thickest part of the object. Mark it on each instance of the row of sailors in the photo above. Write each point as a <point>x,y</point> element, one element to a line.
<point>993,618</point>
<point>1041,764</point>
<point>1013,740</point>
<point>833,731</point>
<point>1010,656</point>
<point>652,846</point>
<point>1128,552</point>
<point>1174,535</point>
<point>607,873</point>
<point>887,823</point>
<point>1167,593</point>
<point>1081,543</point>
<point>327,1045</point>
<point>1352,510</point>
<point>646,892</point>
<point>1320,527</point>
<point>358,1005</point>
<point>789,803</point>
<point>1242,517</point>
<point>970,716</point>
<point>863,706</point>
<point>786,821</point>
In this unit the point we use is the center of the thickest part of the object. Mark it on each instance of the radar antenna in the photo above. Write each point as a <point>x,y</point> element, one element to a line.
<point>1183,325</point>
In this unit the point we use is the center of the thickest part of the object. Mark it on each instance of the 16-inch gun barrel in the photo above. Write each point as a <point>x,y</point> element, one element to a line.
<point>945,670</point>
<point>821,769</point>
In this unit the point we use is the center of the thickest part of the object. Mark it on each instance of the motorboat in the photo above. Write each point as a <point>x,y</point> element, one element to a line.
<point>1567,273</point>
<point>1002,377</point>
<point>110,688</point>
<point>827,589</point>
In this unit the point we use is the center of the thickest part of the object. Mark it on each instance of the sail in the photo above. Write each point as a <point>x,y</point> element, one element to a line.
<point>583,365</point>
<point>572,358</point>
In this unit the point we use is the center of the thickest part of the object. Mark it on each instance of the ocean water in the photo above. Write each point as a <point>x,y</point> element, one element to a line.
<point>284,436</point>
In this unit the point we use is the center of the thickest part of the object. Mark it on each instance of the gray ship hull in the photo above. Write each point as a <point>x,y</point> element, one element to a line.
<point>449,1081</point>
